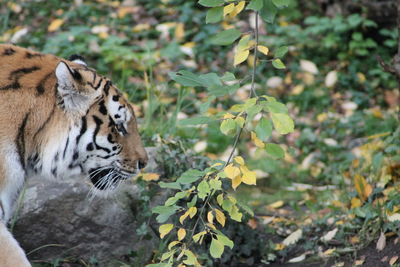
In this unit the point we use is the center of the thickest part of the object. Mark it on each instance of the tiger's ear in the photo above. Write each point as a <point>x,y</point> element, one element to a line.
<point>73,96</point>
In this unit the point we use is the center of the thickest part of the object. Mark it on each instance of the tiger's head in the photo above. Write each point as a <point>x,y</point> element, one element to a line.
<point>103,142</point>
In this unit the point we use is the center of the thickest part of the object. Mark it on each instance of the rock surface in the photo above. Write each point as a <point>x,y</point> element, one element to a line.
<point>57,220</point>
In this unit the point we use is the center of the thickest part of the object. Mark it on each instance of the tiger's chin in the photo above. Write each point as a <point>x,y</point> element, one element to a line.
<point>108,179</point>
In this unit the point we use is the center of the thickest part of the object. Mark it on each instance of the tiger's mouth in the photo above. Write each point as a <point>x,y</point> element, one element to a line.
<point>107,178</point>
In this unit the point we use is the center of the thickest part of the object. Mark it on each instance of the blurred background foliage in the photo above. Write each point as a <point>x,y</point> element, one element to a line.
<point>344,105</point>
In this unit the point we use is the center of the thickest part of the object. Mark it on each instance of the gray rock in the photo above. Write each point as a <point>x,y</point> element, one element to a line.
<point>57,220</point>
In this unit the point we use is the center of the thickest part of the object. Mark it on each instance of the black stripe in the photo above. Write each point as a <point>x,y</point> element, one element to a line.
<point>98,122</point>
<point>95,87</point>
<point>40,86</point>
<point>16,75</point>
<point>8,52</point>
<point>20,140</point>
<point>45,122</point>
<point>83,129</point>
<point>107,87</point>
<point>65,148</point>
<point>32,55</point>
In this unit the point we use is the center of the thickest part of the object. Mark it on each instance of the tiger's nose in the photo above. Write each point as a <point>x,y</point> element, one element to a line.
<point>142,163</point>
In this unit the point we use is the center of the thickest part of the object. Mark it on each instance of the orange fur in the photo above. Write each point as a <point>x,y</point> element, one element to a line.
<point>43,99</point>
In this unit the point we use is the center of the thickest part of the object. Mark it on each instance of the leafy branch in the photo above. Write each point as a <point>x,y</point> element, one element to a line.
<point>204,188</point>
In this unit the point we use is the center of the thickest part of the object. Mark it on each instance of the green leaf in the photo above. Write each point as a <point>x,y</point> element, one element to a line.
<point>164,212</point>
<point>204,189</point>
<point>252,111</point>
<point>225,37</point>
<point>206,105</point>
<point>215,184</point>
<point>190,176</point>
<point>281,51</point>
<point>215,14</point>
<point>245,208</point>
<point>282,123</point>
<point>225,240</point>
<point>195,121</point>
<point>228,126</point>
<point>216,248</point>
<point>255,5</point>
<point>173,185</point>
<point>210,79</point>
<point>211,3</point>
<point>186,78</point>
<point>275,150</point>
<point>275,107</point>
<point>278,64</point>
<point>192,202</point>
<point>191,258</point>
<point>281,3</point>
<point>171,201</point>
<point>235,214</point>
<point>228,77</point>
<point>263,129</point>
<point>224,90</point>
<point>268,11</point>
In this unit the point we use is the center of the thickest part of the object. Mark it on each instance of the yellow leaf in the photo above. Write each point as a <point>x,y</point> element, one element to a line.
<point>238,9</point>
<point>181,234</point>
<point>249,177</point>
<point>165,229</point>
<point>150,176</point>
<point>329,251</point>
<point>240,56</point>
<point>276,204</point>
<point>183,217</point>
<point>179,31</point>
<point>220,199</point>
<point>220,216</point>
<point>228,9</point>
<point>216,165</point>
<point>197,237</point>
<point>279,246</point>
<point>362,187</point>
<point>239,160</point>
<point>236,182</point>
<point>141,27</point>
<point>231,171</point>
<point>228,116</point>
<point>355,202</point>
<point>210,217</point>
<point>55,25</point>
<point>256,140</point>
<point>173,244</point>
<point>240,121</point>
<point>192,211</point>
<point>212,226</point>
<point>263,49</point>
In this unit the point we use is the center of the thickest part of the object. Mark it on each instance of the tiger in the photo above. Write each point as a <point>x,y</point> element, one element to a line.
<point>59,118</point>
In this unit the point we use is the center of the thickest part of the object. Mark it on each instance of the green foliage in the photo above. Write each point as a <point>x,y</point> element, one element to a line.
<point>203,191</point>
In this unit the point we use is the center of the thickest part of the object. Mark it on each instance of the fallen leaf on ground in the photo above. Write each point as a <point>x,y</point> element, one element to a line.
<point>393,260</point>
<point>330,235</point>
<point>293,237</point>
<point>381,244</point>
<point>298,259</point>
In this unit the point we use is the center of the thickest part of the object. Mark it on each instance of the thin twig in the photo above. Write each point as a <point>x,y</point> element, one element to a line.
<point>253,91</point>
